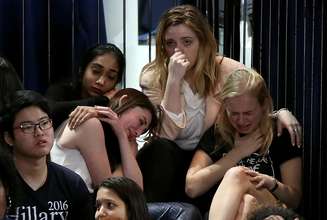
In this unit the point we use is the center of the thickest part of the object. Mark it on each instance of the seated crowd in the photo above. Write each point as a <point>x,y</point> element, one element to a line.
<point>214,148</point>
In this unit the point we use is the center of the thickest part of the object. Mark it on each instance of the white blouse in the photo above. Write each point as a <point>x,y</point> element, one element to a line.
<point>192,116</point>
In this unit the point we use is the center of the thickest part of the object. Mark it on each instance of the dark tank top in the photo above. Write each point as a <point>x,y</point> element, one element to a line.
<point>112,146</point>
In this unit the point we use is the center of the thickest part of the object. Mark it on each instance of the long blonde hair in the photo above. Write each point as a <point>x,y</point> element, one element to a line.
<point>240,82</point>
<point>206,69</point>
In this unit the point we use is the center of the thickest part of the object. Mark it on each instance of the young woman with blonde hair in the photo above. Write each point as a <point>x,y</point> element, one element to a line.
<point>184,79</point>
<point>244,155</point>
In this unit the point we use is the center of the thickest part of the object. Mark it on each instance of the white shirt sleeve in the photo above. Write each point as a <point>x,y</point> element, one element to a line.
<point>178,119</point>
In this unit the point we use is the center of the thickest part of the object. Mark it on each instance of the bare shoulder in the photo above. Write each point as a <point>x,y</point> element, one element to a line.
<point>147,77</point>
<point>227,65</point>
<point>92,124</point>
<point>71,138</point>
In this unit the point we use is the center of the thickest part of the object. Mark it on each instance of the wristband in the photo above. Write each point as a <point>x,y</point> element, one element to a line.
<point>275,186</point>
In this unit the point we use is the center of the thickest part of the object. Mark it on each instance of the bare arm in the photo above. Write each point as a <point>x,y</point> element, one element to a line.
<point>129,166</point>
<point>89,139</point>
<point>170,127</point>
<point>289,190</point>
<point>203,173</point>
<point>176,71</point>
<point>285,119</point>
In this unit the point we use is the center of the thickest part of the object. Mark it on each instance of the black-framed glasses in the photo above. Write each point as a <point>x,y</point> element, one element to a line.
<point>30,127</point>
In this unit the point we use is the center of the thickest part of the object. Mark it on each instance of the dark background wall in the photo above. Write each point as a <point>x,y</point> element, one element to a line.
<point>289,49</point>
<point>45,39</point>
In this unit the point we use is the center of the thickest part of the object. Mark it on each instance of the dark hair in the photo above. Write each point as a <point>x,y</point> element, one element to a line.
<point>99,50</point>
<point>9,81</point>
<point>131,194</point>
<point>135,98</point>
<point>265,211</point>
<point>20,100</point>
<point>8,176</point>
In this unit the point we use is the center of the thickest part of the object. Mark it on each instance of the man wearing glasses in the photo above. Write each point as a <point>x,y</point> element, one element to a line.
<point>47,190</point>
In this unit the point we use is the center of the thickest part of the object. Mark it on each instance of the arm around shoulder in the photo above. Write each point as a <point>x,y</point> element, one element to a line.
<point>227,65</point>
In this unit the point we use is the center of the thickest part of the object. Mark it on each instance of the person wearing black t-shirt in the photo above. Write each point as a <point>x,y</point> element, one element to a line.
<point>46,190</point>
<point>243,155</point>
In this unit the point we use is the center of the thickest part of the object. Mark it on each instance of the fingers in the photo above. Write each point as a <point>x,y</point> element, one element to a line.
<point>180,58</point>
<point>295,132</point>
<point>279,128</point>
<point>251,172</point>
<point>287,119</point>
<point>292,133</point>
<point>257,178</point>
<point>74,117</point>
<point>80,115</point>
<point>107,114</point>
<point>106,111</point>
<point>299,135</point>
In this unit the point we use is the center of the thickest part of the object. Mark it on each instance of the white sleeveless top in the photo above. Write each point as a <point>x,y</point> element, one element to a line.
<point>73,160</point>
<point>194,110</point>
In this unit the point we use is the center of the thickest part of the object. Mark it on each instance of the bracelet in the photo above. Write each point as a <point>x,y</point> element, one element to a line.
<point>275,186</point>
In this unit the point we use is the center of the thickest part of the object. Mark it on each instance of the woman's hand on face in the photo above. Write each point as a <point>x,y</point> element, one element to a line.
<point>80,114</point>
<point>178,66</point>
<point>287,120</point>
<point>249,143</point>
<point>107,115</point>
<point>261,180</point>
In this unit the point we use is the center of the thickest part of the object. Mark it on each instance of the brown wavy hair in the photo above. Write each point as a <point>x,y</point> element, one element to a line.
<point>206,68</point>
<point>135,98</point>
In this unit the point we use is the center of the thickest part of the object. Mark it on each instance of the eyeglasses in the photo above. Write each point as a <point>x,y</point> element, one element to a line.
<point>29,127</point>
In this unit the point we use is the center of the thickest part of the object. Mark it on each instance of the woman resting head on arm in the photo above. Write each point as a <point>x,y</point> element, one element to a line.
<point>120,198</point>
<point>270,168</point>
<point>101,69</point>
<point>105,146</point>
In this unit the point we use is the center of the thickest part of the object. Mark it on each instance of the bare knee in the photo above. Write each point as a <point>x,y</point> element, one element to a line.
<point>237,175</point>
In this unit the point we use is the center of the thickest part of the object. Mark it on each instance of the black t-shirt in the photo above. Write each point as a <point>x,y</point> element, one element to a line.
<point>64,195</point>
<point>280,151</point>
